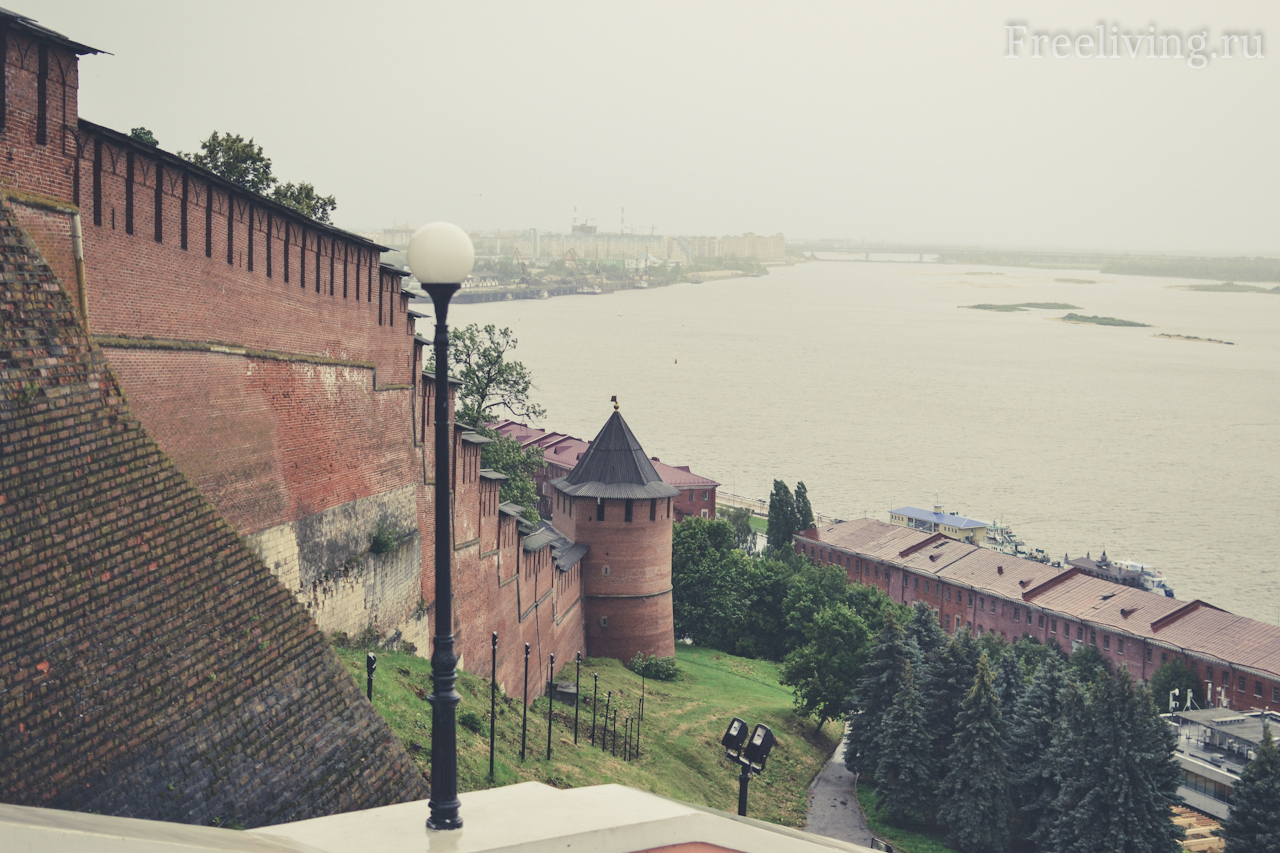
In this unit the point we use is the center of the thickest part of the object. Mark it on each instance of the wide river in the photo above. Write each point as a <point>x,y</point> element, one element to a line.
<point>868,382</point>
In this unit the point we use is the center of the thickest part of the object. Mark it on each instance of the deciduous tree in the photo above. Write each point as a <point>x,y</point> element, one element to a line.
<point>491,382</point>
<point>744,537</point>
<point>303,198</point>
<point>237,159</point>
<point>1176,675</point>
<point>243,162</point>
<point>520,465</point>
<point>825,669</point>
<point>706,599</point>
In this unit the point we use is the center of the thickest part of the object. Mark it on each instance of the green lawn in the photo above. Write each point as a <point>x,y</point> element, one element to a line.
<point>913,839</point>
<point>680,738</point>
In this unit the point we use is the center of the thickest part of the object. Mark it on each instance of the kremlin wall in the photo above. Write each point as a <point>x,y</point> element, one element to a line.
<point>211,403</point>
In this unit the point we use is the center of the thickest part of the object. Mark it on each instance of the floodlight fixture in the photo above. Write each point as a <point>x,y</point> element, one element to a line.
<point>749,753</point>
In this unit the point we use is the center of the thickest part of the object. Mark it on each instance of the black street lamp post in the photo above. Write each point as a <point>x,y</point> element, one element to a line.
<point>595,691</point>
<point>604,741</point>
<point>524,722</point>
<point>493,699</point>
<point>551,699</point>
<point>441,256</point>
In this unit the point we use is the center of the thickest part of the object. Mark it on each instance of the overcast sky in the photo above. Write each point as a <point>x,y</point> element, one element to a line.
<point>892,121</point>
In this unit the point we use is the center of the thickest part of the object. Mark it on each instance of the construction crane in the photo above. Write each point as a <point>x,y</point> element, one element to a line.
<point>571,263</point>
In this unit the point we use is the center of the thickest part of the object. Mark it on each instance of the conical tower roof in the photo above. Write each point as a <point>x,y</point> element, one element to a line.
<point>615,466</point>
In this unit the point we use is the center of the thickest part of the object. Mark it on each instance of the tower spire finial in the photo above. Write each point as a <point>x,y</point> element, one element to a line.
<point>614,400</point>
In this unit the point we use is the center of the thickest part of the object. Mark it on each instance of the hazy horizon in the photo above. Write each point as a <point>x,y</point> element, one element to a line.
<point>825,120</point>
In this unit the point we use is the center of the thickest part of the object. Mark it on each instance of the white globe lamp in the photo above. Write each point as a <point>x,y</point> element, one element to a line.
<point>441,253</point>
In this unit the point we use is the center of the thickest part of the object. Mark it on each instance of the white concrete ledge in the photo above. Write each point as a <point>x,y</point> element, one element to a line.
<point>530,818</point>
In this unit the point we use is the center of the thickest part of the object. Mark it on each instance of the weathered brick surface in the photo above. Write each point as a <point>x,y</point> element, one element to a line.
<point>150,664</point>
<point>626,574</point>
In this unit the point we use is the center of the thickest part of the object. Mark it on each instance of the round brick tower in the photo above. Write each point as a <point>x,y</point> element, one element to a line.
<point>615,503</point>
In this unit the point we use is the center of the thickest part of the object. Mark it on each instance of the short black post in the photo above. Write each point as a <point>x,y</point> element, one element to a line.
<point>370,665</point>
<point>493,699</point>
<point>642,669</point>
<point>524,723</point>
<point>639,717</point>
<point>604,741</point>
<point>551,699</point>
<point>595,691</point>
<point>743,778</point>
<point>626,738</point>
<point>615,732</point>
<point>577,689</point>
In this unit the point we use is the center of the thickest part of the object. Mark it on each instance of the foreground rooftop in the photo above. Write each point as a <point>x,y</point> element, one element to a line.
<point>530,818</point>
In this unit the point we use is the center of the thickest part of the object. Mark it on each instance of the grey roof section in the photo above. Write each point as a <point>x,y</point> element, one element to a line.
<point>490,474</point>
<point>615,466</point>
<point>958,521</point>
<point>430,374</point>
<point>513,509</point>
<point>569,558</point>
<point>564,551</point>
<point>476,438</point>
<point>15,21</point>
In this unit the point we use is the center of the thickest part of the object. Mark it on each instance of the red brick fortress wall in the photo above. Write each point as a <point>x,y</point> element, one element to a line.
<point>150,665</point>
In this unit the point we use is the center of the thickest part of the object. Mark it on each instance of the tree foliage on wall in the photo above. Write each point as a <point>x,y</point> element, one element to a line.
<point>243,162</point>
<point>519,464</point>
<point>491,381</point>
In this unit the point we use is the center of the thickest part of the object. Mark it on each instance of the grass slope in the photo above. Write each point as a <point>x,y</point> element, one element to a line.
<point>915,838</point>
<point>680,738</point>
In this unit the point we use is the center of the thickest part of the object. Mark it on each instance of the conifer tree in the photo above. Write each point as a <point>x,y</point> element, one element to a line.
<point>1254,823</point>
<point>1009,684</point>
<point>804,511</point>
<point>905,769</point>
<point>946,680</point>
<point>1113,758</point>
<point>925,631</point>
<point>881,680</point>
<point>1033,786</point>
<point>783,522</point>
<point>974,794</point>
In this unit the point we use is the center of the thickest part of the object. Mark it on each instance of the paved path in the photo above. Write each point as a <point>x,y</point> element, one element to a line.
<point>833,809</point>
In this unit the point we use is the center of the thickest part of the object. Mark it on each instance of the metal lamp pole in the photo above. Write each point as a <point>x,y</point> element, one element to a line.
<point>577,688</point>
<point>441,256</point>
<point>493,700</point>
<point>551,700</point>
<point>595,691</point>
<point>444,661</point>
